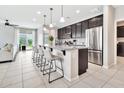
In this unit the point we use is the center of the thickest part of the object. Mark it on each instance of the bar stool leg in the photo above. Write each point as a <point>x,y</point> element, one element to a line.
<point>38,60</point>
<point>50,72</point>
<point>44,66</point>
<point>34,57</point>
<point>41,64</point>
<point>50,81</point>
<point>62,68</point>
<point>55,66</point>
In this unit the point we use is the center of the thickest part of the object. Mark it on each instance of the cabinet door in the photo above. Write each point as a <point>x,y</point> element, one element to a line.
<point>84,27</point>
<point>62,33</point>
<point>96,21</point>
<point>78,30</point>
<point>83,60</point>
<point>99,20</point>
<point>59,33</point>
<point>73,27</point>
<point>68,32</point>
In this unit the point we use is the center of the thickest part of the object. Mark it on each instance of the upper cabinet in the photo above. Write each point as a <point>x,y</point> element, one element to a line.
<point>96,21</point>
<point>59,36</point>
<point>78,30</point>
<point>63,33</point>
<point>73,27</point>
<point>68,32</point>
<point>84,27</point>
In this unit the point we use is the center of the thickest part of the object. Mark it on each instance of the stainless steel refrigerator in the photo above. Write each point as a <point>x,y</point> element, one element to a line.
<point>94,42</point>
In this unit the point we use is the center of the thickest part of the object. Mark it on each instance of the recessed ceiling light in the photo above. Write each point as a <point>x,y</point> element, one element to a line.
<point>34,19</point>
<point>77,11</point>
<point>38,12</point>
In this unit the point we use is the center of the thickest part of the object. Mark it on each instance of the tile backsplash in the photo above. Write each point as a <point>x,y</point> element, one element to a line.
<point>79,41</point>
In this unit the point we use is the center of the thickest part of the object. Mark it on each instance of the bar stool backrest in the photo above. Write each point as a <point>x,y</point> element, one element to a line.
<point>41,51</point>
<point>35,49</point>
<point>47,54</point>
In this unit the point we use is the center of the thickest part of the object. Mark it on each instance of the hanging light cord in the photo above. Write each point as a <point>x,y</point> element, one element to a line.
<point>61,10</point>
<point>51,15</point>
<point>44,19</point>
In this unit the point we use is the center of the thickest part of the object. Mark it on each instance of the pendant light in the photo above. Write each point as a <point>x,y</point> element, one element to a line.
<point>51,25</point>
<point>44,25</point>
<point>62,19</point>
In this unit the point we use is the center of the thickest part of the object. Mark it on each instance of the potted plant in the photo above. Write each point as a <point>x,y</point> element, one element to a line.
<point>51,38</point>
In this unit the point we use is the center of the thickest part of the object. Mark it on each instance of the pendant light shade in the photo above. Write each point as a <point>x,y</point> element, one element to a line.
<point>51,25</point>
<point>44,25</point>
<point>62,19</point>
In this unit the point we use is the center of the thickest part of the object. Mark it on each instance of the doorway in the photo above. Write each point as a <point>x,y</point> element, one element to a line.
<point>26,39</point>
<point>120,41</point>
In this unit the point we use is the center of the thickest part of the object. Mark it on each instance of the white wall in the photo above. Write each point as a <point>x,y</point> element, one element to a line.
<point>16,42</point>
<point>109,37</point>
<point>119,13</point>
<point>40,36</point>
<point>9,34</point>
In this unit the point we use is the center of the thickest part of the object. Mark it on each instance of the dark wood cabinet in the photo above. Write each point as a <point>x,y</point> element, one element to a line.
<point>84,27</point>
<point>62,32</point>
<point>83,61</point>
<point>96,21</point>
<point>68,32</point>
<point>120,31</point>
<point>78,30</point>
<point>59,33</point>
<point>120,49</point>
<point>73,27</point>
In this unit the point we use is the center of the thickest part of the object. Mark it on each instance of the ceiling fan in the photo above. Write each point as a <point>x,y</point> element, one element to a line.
<point>8,24</point>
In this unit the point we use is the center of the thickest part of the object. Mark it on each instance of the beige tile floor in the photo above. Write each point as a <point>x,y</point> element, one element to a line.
<point>22,73</point>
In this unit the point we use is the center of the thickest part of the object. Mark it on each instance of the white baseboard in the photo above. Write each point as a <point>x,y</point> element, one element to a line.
<point>109,66</point>
<point>75,78</point>
<point>71,79</point>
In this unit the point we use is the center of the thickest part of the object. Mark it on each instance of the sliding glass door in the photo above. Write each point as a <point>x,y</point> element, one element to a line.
<point>26,39</point>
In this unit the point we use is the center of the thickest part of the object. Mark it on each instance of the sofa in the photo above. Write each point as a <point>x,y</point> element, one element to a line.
<point>6,53</point>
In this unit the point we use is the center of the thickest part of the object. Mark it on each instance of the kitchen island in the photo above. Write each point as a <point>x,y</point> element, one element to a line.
<point>75,60</point>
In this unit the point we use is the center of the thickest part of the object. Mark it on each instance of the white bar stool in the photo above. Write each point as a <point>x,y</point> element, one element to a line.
<point>52,59</point>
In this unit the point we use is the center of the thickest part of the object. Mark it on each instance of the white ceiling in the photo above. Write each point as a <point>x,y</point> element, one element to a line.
<point>23,14</point>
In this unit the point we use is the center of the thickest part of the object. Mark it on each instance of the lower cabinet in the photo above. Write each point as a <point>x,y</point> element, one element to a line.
<point>83,61</point>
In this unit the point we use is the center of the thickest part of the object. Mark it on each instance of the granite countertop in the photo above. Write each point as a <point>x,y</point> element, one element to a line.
<point>67,47</point>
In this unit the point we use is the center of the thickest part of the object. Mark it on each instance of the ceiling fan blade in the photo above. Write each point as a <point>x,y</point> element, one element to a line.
<point>13,25</point>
